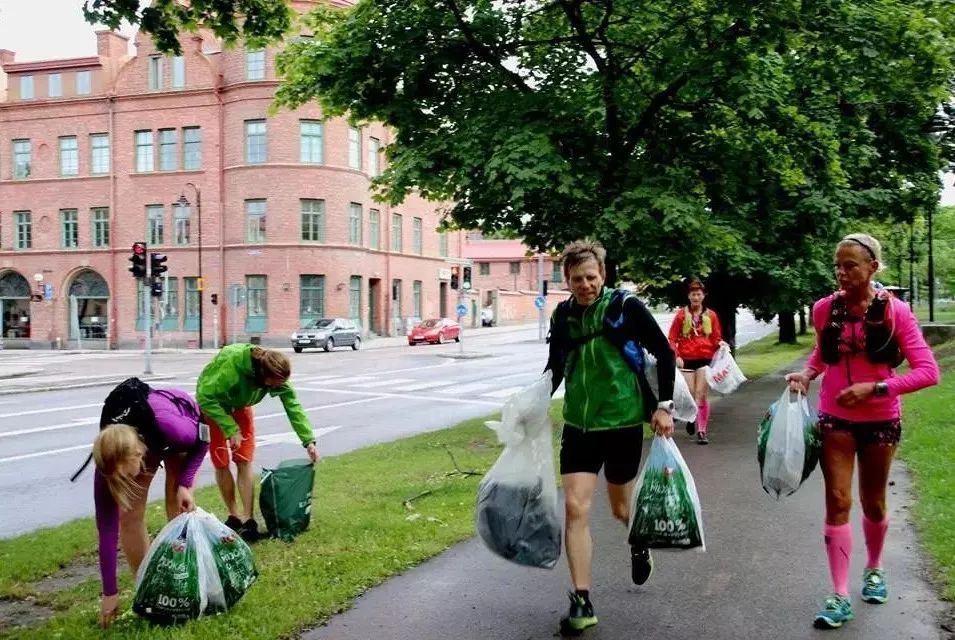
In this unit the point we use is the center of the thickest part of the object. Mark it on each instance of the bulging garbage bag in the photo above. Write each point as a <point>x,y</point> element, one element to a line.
<point>788,444</point>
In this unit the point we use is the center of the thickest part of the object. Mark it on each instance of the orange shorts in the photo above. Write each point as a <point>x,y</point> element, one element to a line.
<point>219,445</point>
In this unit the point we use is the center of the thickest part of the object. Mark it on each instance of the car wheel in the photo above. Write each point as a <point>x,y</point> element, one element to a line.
<point>357,344</point>
<point>329,344</point>
<point>297,349</point>
<point>457,338</point>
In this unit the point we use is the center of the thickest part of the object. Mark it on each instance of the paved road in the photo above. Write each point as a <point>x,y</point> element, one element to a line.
<point>354,398</point>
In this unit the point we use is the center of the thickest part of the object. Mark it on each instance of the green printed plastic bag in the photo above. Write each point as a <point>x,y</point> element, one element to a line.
<point>788,445</point>
<point>233,561</point>
<point>666,510</point>
<point>285,498</point>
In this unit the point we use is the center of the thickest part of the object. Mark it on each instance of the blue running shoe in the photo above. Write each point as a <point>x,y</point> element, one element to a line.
<point>836,611</point>
<point>874,590</point>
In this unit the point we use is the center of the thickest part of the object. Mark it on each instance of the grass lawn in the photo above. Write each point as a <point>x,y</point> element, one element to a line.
<point>944,312</point>
<point>362,532</point>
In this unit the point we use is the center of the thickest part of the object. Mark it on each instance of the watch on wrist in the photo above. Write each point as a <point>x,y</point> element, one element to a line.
<point>665,405</point>
<point>881,389</point>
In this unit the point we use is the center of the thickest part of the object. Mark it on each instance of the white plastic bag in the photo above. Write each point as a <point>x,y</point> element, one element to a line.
<point>517,513</point>
<point>684,406</point>
<point>723,374</point>
<point>788,452</point>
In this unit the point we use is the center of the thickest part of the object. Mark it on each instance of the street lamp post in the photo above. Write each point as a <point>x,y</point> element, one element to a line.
<point>185,203</point>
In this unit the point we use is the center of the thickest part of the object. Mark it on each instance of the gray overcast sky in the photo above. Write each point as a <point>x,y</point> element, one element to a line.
<point>50,29</point>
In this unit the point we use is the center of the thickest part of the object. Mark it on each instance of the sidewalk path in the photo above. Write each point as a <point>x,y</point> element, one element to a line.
<point>763,574</point>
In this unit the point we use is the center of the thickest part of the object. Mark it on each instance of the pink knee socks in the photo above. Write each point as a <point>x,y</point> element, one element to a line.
<point>874,532</point>
<point>703,415</point>
<point>839,549</point>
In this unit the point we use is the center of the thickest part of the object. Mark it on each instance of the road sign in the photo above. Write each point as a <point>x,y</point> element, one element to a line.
<point>462,309</point>
<point>236,295</point>
<point>48,291</point>
<point>539,302</point>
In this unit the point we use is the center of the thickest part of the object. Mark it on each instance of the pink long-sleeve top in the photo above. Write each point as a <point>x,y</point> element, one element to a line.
<point>177,419</point>
<point>854,367</point>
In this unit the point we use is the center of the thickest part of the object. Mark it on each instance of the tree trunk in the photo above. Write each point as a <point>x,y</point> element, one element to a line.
<point>787,328</point>
<point>721,298</point>
<point>802,321</point>
<point>610,266</point>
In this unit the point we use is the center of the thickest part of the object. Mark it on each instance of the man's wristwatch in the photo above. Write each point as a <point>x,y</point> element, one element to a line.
<point>881,389</point>
<point>666,405</point>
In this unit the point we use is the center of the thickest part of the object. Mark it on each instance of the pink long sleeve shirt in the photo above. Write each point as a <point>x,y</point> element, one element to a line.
<point>855,367</point>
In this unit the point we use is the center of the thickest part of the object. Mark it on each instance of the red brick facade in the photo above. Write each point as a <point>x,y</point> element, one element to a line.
<point>167,123</point>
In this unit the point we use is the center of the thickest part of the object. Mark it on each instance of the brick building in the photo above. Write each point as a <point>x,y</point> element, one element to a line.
<point>508,265</point>
<point>103,151</point>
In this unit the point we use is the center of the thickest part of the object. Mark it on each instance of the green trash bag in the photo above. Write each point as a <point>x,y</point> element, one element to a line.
<point>788,445</point>
<point>666,510</point>
<point>233,560</point>
<point>285,498</point>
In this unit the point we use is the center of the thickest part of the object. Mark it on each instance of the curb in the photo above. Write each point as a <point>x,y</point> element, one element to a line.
<point>20,374</point>
<point>81,385</point>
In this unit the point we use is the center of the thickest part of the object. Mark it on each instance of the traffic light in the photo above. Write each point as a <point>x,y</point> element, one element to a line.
<point>156,287</point>
<point>544,290</point>
<point>157,265</point>
<point>215,299</point>
<point>138,260</point>
<point>455,270</point>
<point>466,278</point>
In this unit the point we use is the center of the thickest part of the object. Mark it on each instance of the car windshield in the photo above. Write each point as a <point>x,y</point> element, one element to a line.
<point>321,323</point>
<point>430,323</point>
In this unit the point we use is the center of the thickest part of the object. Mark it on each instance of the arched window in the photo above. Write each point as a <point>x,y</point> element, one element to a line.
<point>89,301</point>
<point>14,305</point>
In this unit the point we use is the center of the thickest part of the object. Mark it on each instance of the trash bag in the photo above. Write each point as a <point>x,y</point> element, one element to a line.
<point>192,568</point>
<point>684,406</point>
<point>285,498</point>
<point>788,445</point>
<point>666,510</point>
<point>723,374</point>
<point>517,513</point>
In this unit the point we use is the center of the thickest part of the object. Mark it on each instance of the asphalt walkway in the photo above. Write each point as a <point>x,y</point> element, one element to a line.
<point>763,574</point>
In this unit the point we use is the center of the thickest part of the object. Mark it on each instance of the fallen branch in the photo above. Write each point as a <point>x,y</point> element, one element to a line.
<point>458,471</point>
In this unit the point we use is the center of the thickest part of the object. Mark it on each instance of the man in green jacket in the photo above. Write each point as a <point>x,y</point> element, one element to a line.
<point>606,403</point>
<point>239,377</point>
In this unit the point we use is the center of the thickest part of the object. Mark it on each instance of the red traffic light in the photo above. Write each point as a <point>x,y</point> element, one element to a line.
<point>139,248</point>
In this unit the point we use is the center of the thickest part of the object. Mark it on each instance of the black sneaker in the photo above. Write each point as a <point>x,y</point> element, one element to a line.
<point>581,616</point>
<point>691,428</point>
<point>233,523</point>
<point>250,531</point>
<point>641,565</point>
<point>701,438</point>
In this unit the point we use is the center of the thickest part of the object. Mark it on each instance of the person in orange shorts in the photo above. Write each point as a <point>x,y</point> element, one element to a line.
<point>239,377</point>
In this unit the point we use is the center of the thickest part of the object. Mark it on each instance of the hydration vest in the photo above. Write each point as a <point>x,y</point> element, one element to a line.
<point>881,345</point>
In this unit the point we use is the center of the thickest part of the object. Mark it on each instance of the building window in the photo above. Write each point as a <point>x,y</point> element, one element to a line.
<point>484,268</point>
<point>155,72</point>
<point>191,148</point>
<point>69,229</point>
<point>354,147</point>
<point>374,146</point>
<point>144,151</point>
<point>191,288</point>
<point>374,229</point>
<point>354,298</point>
<point>69,156</point>
<point>416,240</point>
<point>22,152</point>
<point>255,141</point>
<point>100,217</point>
<point>178,72</point>
<point>99,153</point>
<point>396,232</point>
<point>255,65</point>
<point>556,274</point>
<point>26,87</point>
<point>169,304</point>
<point>313,220</point>
<point>354,223</point>
<point>443,244</point>
<point>54,85</point>
<point>83,83</point>
<point>311,135</point>
<point>182,215</point>
<point>515,268</point>
<point>396,298</point>
<point>257,297</point>
<point>23,222</point>
<point>416,298</point>
<point>311,296</point>
<point>154,223</point>
<point>255,220</point>
<point>167,149</point>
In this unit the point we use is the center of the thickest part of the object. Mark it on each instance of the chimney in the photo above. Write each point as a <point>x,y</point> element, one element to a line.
<point>7,56</point>
<point>110,44</point>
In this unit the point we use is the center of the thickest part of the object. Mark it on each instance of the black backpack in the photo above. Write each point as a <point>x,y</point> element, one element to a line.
<point>128,403</point>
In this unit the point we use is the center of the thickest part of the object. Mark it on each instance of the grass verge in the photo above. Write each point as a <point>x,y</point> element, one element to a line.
<point>928,448</point>
<point>362,533</point>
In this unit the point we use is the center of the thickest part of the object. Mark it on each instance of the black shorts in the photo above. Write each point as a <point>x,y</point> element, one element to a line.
<point>617,450</point>
<point>881,432</point>
<point>693,365</point>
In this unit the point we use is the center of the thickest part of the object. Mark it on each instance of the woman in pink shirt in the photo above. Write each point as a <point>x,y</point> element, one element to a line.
<point>862,335</point>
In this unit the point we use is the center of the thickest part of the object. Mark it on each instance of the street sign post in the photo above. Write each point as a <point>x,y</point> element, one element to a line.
<point>539,302</point>
<point>48,292</point>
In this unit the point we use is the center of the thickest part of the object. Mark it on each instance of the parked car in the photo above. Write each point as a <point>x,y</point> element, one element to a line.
<point>435,331</point>
<point>487,317</point>
<point>327,333</point>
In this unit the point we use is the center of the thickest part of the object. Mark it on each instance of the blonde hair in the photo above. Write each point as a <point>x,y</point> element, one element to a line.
<point>269,363</point>
<point>868,244</point>
<point>114,445</point>
<point>580,251</point>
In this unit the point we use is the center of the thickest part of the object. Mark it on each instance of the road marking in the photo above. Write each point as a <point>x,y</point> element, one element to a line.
<point>379,395</point>
<point>418,386</point>
<point>503,393</point>
<point>291,436</point>
<point>385,383</point>
<point>36,411</point>
<point>37,454</point>
<point>467,388</point>
<point>78,422</point>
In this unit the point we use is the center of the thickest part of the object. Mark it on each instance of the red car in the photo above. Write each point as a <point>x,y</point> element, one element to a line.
<point>435,331</point>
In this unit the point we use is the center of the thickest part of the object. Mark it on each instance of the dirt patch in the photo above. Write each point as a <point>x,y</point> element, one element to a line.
<point>66,578</point>
<point>20,614</point>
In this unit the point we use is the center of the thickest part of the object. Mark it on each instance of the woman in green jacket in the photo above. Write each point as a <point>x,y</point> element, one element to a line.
<point>239,377</point>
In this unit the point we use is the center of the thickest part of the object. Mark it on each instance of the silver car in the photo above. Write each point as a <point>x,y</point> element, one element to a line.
<point>327,333</point>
